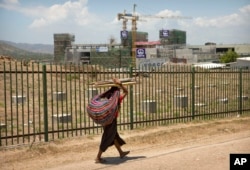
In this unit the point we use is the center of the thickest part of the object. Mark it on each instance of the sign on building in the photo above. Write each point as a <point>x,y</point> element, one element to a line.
<point>124,34</point>
<point>102,49</point>
<point>148,63</point>
<point>164,33</point>
<point>140,53</point>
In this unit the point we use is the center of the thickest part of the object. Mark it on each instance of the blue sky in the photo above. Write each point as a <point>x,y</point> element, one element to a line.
<point>95,21</point>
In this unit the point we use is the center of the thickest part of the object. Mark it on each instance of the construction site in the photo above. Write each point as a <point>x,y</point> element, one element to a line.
<point>135,49</point>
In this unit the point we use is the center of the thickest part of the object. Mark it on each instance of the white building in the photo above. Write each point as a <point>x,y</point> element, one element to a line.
<point>243,62</point>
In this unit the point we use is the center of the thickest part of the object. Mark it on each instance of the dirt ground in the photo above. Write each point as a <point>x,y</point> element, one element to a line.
<point>202,145</point>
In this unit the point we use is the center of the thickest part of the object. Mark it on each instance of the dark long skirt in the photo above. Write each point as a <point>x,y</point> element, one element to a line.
<point>109,135</point>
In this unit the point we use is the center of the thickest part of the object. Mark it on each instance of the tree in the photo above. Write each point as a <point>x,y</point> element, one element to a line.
<point>229,56</point>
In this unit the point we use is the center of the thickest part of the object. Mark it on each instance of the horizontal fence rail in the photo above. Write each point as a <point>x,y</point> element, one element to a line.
<point>48,102</point>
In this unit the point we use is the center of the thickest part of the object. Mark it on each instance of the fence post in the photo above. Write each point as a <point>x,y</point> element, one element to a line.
<point>45,105</point>
<point>131,101</point>
<point>5,105</point>
<point>193,93</point>
<point>240,91</point>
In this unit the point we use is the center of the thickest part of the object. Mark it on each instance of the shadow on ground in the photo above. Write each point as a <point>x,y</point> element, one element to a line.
<point>117,160</point>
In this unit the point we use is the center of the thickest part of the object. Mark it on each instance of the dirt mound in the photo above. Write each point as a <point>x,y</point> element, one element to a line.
<point>6,58</point>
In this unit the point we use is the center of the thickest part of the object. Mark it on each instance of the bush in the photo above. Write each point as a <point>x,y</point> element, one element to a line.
<point>229,56</point>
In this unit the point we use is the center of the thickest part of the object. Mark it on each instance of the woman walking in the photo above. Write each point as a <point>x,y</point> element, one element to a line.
<point>110,135</point>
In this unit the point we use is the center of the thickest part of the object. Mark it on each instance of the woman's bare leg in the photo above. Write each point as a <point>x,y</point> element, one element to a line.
<point>118,147</point>
<point>98,157</point>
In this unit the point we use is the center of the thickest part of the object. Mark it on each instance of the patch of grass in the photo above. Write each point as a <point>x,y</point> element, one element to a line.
<point>2,104</point>
<point>72,77</point>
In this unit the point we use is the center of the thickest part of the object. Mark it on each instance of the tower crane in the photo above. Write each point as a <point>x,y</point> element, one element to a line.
<point>134,18</point>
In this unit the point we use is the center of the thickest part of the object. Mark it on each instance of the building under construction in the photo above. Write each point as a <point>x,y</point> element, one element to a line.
<point>61,42</point>
<point>172,37</point>
<point>140,36</point>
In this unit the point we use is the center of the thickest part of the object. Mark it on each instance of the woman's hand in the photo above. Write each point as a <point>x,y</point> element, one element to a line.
<point>117,81</point>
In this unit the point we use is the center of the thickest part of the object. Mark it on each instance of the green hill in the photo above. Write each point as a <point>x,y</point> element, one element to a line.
<point>20,54</point>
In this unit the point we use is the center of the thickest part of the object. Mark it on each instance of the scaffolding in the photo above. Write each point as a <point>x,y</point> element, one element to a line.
<point>174,37</point>
<point>61,42</point>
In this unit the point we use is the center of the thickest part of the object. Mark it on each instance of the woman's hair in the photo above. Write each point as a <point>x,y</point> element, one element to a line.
<point>114,88</point>
<point>109,93</point>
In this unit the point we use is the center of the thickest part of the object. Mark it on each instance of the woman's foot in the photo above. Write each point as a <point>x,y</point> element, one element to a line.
<point>100,160</point>
<point>123,154</point>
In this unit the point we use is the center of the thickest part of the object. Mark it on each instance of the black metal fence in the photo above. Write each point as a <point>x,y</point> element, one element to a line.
<point>47,102</point>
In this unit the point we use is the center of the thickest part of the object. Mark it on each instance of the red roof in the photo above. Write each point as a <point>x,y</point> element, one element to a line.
<point>148,43</point>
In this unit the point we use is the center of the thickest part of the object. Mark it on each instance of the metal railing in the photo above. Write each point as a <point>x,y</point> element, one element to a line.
<point>48,102</point>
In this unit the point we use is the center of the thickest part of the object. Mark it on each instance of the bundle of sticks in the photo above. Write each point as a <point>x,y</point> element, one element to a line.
<point>108,83</point>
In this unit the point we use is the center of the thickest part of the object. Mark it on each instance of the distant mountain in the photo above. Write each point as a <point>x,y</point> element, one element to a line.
<point>37,48</point>
<point>10,50</point>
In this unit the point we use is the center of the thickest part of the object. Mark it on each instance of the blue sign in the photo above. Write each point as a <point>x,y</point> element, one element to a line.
<point>140,53</point>
<point>165,33</point>
<point>102,49</point>
<point>124,34</point>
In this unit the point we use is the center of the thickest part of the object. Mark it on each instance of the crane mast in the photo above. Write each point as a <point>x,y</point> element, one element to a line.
<point>125,16</point>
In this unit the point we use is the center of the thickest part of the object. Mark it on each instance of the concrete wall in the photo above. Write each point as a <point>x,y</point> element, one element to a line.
<point>151,53</point>
<point>242,49</point>
<point>187,54</point>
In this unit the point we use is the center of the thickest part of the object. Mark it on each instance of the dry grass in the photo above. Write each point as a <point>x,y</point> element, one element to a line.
<point>159,85</point>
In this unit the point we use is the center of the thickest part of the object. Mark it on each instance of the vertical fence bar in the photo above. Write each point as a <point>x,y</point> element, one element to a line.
<point>71,78</point>
<point>39,103</point>
<point>28,102</point>
<point>5,108</point>
<point>172,94</point>
<point>52,102</point>
<point>209,86</point>
<point>61,101</point>
<point>22,103</point>
<point>240,91</point>
<point>11,108</point>
<point>75,102</point>
<point>84,101</point>
<point>17,116</point>
<point>157,95</point>
<point>66,77</point>
<point>57,105</point>
<point>131,102</point>
<point>138,101</point>
<point>65,105</point>
<point>246,90</point>
<point>72,94</point>
<point>33,102</point>
<point>193,92</point>
<point>45,105</point>
<point>80,97</point>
